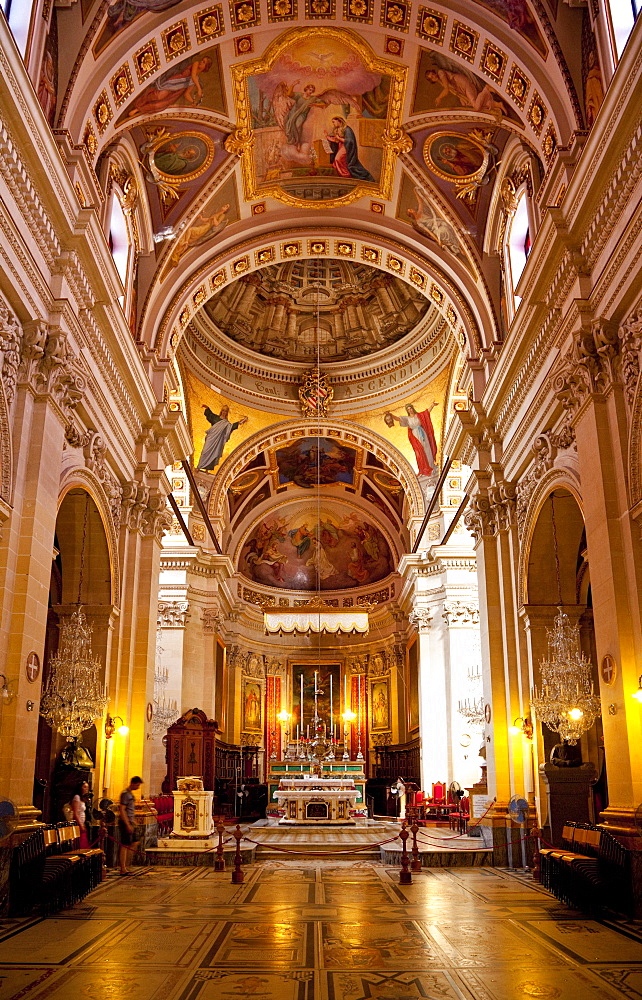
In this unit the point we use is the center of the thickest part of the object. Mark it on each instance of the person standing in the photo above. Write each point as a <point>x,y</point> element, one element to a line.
<point>79,810</point>
<point>127,824</point>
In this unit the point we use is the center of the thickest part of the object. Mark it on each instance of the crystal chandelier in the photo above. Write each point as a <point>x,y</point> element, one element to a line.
<point>473,708</point>
<point>75,695</point>
<point>566,702</point>
<point>165,710</point>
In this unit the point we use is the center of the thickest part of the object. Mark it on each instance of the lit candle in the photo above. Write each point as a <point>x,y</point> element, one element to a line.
<point>331,721</point>
<point>301,705</point>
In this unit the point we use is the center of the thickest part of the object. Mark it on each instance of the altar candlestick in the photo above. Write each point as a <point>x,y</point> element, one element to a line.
<point>331,722</point>
<point>301,705</point>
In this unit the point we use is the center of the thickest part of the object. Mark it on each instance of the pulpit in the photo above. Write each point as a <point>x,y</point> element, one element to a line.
<point>191,749</point>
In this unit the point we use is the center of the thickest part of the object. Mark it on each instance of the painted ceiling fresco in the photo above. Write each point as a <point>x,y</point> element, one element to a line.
<point>313,182</point>
<point>316,546</point>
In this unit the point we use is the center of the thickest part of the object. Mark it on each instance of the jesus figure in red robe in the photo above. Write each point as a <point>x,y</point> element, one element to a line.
<point>421,435</point>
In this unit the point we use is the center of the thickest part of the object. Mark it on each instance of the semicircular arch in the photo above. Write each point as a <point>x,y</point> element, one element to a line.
<point>345,431</point>
<point>458,298</point>
<point>84,479</point>
<point>552,480</point>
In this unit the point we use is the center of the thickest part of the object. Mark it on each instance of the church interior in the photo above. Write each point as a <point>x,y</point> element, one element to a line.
<point>320,499</point>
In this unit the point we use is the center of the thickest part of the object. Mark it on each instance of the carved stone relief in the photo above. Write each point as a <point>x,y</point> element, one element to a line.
<point>172,614</point>
<point>213,619</point>
<point>458,613</point>
<point>10,343</point>
<point>421,618</point>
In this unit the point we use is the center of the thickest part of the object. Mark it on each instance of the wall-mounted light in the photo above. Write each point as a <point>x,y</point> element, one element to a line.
<point>6,690</point>
<point>522,727</point>
<point>111,726</point>
<point>638,694</point>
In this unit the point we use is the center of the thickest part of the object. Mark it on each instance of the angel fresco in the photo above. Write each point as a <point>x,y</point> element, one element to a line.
<point>426,221</point>
<point>291,108</point>
<point>120,13</point>
<point>182,81</point>
<point>443,83</point>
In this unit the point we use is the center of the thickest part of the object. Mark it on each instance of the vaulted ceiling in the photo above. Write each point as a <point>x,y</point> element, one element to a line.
<point>318,182</point>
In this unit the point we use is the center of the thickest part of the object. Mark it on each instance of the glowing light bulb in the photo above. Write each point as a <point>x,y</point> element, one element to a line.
<point>123,730</point>
<point>575,713</point>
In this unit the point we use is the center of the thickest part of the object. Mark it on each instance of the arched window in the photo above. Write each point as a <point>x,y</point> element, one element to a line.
<point>119,241</point>
<point>18,15</point>
<point>622,15</point>
<point>518,244</point>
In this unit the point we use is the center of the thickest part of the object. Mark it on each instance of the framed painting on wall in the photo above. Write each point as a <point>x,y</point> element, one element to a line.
<point>380,705</point>
<point>412,687</point>
<point>252,706</point>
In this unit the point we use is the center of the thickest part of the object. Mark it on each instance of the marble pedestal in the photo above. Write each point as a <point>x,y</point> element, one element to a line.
<point>193,821</point>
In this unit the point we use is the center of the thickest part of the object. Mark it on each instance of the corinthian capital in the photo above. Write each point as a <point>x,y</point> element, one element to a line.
<point>421,618</point>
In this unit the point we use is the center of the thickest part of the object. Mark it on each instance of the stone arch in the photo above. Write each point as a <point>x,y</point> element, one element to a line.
<point>456,297</point>
<point>84,479</point>
<point>537,531</point>
<point>352,434</point>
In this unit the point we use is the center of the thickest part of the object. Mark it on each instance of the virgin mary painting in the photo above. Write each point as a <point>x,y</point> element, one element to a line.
<point>344,155</point>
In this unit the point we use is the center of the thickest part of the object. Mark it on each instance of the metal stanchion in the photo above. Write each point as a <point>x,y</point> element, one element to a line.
<point>219,864</point>
<point>405,876</point>
<point>237,874</point>
<point>416,860</point>
<point>536,833</point>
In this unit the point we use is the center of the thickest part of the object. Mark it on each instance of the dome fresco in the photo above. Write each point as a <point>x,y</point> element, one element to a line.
<point>330,310</point>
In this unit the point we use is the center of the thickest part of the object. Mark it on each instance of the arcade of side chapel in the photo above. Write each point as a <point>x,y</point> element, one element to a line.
<point>321,498</point>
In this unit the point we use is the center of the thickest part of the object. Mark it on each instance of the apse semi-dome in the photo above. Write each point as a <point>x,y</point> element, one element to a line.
<point>311,546</point>
<point>325,310</point>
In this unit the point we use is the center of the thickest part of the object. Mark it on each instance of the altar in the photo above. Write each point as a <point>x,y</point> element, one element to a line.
<point>312,800</point>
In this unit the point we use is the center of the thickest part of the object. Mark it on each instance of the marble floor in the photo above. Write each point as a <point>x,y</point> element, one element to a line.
<point>319,930</point>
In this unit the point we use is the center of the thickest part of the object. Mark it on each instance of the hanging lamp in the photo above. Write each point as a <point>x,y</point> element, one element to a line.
<point>565,702</point>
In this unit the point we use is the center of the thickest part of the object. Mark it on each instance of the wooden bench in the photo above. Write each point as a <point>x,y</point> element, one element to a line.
<point>591,871</point>
<point>49,871</point>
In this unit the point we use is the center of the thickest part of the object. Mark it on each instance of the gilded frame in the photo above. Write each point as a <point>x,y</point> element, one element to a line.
<point>394,139</point>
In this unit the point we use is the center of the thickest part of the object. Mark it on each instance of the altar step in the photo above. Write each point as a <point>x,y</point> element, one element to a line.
<point>438,848</point>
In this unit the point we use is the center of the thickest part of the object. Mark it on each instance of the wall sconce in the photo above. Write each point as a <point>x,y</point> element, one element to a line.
<point>638,694</point>
<point>6,690</point>
<point>523,727</point>
<point>111,726</point>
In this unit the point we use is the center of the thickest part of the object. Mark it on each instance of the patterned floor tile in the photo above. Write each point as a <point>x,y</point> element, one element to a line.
<point>323,930</point>
<point>471,943</point>
<point>537,983</point>
<point>628,981</point>
<point>55,941</point>
<point>267,945</point>
<point>266,985</point>
<point>111,984</point>
<point>385,945</point>
<point>392,986</point>
<point>16,982</point>
<point>587,940</point>
<point>149,943</point>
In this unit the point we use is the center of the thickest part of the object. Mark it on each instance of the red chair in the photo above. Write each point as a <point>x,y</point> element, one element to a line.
<point>459,820</point>
<point>438,791</point>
